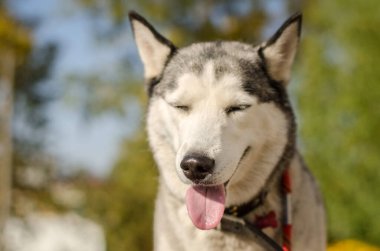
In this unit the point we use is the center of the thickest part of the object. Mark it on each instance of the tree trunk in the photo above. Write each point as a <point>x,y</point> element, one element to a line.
<point>7,67</point>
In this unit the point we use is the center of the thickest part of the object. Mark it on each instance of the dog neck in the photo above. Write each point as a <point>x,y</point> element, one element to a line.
<point>234,219</point>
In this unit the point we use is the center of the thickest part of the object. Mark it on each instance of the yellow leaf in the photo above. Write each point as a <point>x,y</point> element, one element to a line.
<point>352,245</point>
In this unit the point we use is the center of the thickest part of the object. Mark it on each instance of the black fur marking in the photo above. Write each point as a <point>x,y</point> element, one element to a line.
<point>297,17</point>
<point>280,98</point>
<point>151,83</point>
<point>255,81</point>
<point>278,86</point>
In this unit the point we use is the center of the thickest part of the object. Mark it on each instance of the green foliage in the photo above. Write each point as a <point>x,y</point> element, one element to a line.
<point>338,98</point>
<point>29,102</point>
<point>195,20</point>
<point>124,205</point>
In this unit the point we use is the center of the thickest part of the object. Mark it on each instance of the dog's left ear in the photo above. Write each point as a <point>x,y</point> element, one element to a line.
<point>154,49</point>
<point>279,51</point>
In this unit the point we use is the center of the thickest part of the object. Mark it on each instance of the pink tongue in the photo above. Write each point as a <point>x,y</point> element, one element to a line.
<point>205,205</point>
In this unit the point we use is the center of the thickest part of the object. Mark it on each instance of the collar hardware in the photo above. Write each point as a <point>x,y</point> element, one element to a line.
<point>234,222</point>
<point>246,208</point>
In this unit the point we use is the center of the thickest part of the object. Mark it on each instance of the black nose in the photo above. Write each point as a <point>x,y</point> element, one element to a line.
<point>196,167</point>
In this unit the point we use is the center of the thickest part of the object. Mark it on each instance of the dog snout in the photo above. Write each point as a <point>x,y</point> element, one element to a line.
<point>196,167</point>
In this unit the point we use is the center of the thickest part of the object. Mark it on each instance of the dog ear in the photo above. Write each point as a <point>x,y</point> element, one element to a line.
<point>154,49</point>
<point>279,51</point>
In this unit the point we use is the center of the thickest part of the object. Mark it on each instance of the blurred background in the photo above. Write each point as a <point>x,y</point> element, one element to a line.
<point>76,172</point>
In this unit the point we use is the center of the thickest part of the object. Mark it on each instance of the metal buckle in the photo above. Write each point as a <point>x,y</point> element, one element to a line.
<point>231,223</point>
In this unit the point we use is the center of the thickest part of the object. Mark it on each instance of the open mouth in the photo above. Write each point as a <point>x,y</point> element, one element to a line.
<point>205,204</point>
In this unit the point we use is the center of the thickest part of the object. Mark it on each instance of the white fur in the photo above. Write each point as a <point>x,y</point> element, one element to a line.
<point>206,128</point>
<point>153,53</point>
<point>280,55</point>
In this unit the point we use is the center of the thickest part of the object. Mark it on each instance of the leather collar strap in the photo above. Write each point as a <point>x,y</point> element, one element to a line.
<point>233,221</point>
<point>240,226</point>
<point>246,208</point>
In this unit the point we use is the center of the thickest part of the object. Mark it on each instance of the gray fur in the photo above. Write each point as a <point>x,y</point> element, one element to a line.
<point>261,73</point>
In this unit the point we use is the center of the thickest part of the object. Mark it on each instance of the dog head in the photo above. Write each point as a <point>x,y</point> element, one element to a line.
<point>220,109</point>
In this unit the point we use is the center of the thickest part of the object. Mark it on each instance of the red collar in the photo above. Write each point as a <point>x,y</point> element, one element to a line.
<point>268,220</point>
<point>287,225</point>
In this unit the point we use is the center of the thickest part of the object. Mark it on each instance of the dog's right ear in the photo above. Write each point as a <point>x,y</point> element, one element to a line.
<point>154,49</point>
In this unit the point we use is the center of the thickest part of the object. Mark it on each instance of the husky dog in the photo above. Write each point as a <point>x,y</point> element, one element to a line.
<point>223,134</point>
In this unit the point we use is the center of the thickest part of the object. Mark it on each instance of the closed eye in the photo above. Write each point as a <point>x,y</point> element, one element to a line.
<point>184,108</point>
<point>178,106</point>
<point>236,108</point>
